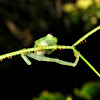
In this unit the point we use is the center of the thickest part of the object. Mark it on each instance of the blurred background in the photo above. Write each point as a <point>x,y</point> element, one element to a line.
<point>24,21</point>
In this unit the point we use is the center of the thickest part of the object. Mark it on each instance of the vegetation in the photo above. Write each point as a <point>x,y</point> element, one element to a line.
<point>89,91</point>
<point>22,22</point>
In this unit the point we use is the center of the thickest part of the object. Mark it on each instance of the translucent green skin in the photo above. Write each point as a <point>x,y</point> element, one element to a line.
<point>48,40</point>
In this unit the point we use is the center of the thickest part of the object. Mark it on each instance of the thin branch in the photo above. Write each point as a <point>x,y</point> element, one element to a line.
<point>9,55</point>
<point>86,35</point>
<point>88,63</point>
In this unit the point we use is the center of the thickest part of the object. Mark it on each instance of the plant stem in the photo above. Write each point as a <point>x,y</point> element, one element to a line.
<point>87,63</point>
<point>9,55</point>
<point>86,35</point>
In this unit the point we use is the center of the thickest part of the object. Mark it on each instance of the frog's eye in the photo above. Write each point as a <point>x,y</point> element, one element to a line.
<point>49,35</point>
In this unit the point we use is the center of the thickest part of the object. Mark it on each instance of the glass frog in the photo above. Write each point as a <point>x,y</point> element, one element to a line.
<point>48,40</point>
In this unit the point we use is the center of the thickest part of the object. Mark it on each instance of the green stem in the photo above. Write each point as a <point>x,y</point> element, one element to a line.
<point>87,63</point>
<point>86,35</point>
<point>9,55</point>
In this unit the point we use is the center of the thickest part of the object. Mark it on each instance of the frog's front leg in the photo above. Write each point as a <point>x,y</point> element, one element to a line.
<point>25,58</point>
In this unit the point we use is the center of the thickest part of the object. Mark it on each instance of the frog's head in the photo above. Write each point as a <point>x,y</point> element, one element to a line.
<point>50,39</point>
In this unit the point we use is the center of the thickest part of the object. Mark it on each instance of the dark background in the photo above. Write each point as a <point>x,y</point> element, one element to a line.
<point>24,21</point>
